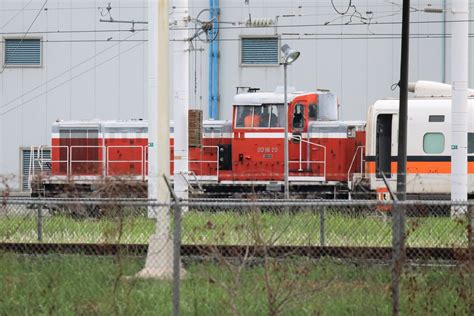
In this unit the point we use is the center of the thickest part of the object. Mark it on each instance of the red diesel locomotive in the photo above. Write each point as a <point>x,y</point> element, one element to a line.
<point>242,155</point>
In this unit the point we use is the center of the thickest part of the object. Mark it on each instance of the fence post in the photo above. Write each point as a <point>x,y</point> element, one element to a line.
<point>398,248</point>
<point>322,226</point>
<point>176,249</point>
<point>469,231</point>
<point>39,222</point>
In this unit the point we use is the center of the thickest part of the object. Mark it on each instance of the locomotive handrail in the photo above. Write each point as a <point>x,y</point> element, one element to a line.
<point>141,161</point>
<point>361,148</point>
<point>71,161</point>
<point>301,161</point>
<point>39,156</point>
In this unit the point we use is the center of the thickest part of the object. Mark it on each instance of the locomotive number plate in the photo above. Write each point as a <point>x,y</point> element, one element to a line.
<point>265,150</point>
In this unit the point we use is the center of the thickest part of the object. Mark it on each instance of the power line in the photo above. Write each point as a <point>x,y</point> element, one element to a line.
<point>316,36</point>
<point>67,70</point>
<point>336,24</point>
<point>70,79</point>
<point>88,41</point>
<point>69,31</point>
<point>370,4</point>
<point>26,33</point>
<point>367,37</point>
<point>242,27</point>
<point>15,15</point>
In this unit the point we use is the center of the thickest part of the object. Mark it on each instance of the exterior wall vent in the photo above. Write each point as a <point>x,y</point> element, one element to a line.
<point>21,53</point>
<point>260,51</point>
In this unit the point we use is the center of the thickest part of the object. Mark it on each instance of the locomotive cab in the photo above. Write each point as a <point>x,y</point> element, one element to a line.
<point>258,142</point>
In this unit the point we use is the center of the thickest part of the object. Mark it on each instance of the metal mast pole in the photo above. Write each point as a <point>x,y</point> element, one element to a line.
<point>459,108</point>
<point>181,99</point>
<point>403,111</point>
<point>285,141</point>
<point>398,233</point>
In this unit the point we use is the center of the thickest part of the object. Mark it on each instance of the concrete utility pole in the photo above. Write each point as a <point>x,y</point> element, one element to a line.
<point>159,261</point>
<point>459,109</point>
<point>181,99</point>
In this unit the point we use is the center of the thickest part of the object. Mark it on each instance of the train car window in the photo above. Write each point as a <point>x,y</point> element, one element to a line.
<point>470,143</point>
<point>436,118</point>
<point>312,112</point>
<point>298,116</point>
<point>433,143</point>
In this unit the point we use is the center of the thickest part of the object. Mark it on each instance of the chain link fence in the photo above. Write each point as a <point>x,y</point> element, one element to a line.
<point>234,257</point>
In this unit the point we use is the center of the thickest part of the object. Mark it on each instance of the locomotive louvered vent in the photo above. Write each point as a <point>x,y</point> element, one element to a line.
<point>195,128</point>
<point>26,52</point>
<point>260,51</point>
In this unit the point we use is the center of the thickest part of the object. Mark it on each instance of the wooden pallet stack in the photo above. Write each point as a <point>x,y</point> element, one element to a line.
<point>195,128</point>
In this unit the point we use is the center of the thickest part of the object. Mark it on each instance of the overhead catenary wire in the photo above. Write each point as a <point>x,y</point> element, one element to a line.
<point>289,36</point>
<point>245,27</point>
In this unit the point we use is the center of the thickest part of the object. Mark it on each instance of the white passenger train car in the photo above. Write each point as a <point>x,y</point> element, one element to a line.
<point>428,145</point>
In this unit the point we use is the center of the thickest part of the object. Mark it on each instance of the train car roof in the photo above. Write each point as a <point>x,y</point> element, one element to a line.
<point>393,103</point>
<point>259,98</point>
<point>121,123</point>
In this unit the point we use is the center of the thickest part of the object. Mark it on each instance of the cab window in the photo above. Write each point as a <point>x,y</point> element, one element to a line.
<point>264,116</point>
<point>312,112</point>
<point>245,116</point>
<point>298,116</point>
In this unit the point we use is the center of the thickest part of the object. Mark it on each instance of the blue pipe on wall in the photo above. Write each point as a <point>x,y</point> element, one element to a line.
<point>210,87</point>
<point>214,62</point>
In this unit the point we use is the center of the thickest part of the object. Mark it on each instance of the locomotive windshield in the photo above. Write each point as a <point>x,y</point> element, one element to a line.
<point>262,116</point>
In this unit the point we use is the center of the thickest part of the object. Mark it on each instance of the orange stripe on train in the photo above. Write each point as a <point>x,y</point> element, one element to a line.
<point>414,167</point>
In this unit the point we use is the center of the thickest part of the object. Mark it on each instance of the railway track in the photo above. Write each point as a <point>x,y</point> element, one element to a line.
<point>365,253</point>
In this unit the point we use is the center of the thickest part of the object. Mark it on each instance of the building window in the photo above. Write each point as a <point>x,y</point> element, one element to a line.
<point>433,143</point>
<point>436,118</point>
<point>260,51</point>
<point>22,53</point>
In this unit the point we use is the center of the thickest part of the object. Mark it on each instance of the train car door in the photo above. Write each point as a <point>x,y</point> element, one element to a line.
<point>383,146</point>
<point>298,127</point>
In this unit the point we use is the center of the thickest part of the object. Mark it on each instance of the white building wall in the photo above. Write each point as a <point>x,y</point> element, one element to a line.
<point>85,75</point>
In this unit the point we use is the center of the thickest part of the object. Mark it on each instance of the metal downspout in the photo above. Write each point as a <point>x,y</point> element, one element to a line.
<point>214,62</point>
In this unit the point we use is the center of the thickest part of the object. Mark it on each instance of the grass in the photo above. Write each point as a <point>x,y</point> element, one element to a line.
<point>81,285</point>
<point>237,228</point>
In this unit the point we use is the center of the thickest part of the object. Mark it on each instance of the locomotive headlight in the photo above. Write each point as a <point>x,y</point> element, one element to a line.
<point>351,132</point>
